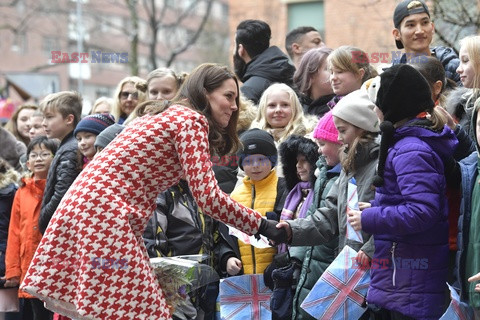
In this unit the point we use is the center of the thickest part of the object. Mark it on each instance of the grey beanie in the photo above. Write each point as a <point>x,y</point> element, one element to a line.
<point>107,135</point>
<point>357,109</point>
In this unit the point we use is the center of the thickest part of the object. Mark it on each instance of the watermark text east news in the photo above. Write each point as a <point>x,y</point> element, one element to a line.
<point>92,57</point>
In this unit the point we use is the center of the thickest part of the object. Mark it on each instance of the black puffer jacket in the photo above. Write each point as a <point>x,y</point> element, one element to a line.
<point>317,107</point>
<point>63,171</point>
<point>178,227</point>
<point>269,67</point>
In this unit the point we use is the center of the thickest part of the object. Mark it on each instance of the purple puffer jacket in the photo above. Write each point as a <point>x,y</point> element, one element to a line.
<point>408,220</point>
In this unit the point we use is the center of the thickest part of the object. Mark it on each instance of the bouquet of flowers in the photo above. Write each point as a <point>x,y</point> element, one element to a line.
<point>181,275</point>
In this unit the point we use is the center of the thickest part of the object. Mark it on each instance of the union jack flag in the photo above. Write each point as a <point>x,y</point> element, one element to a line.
<point>245,298</point>
<point>457,309</point>
<point>341,290</point>
<point>352,204</point>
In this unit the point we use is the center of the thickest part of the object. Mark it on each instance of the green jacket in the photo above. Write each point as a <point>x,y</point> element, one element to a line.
<point>315,258</point>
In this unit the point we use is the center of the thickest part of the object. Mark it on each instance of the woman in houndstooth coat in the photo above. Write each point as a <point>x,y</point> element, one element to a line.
<point>91,262</point>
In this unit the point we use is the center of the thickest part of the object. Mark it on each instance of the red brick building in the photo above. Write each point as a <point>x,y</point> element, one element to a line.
<point>366,24</point>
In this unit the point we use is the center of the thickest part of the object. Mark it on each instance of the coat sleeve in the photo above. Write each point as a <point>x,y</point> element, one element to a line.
<point>12,256</point>
<point>66,172</point>
<point>369,247</point>
<point>224,249</point>
<point>418,177</point>
<point>321,226</point>
<point>191,142</point>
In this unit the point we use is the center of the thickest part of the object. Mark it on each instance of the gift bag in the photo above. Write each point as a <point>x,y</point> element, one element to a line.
<point>352,204</point>
<point>245,298</point>
<point>9,300</point>
<point>341,290</point>
<point>457,310</point>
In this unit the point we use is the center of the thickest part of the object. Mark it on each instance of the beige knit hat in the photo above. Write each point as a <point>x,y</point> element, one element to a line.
<point>357,108</point>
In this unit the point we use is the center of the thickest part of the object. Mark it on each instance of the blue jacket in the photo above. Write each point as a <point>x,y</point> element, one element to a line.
<point>8,187</point>
<point>468,167</point>
<point>408,220</point>
<point>447,57</point>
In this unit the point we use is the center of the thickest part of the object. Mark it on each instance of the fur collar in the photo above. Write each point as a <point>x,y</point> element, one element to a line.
<point>9,177</point>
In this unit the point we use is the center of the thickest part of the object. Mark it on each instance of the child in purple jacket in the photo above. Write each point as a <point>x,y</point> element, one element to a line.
<point>408,218</point>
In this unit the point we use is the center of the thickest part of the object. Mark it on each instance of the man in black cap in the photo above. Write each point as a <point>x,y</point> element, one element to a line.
<point>414,31</point>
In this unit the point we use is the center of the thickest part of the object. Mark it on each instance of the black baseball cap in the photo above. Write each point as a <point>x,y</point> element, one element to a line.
<point>405,9</point>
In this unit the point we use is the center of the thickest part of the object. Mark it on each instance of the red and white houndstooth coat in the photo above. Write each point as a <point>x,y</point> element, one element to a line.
<point>91,262</point>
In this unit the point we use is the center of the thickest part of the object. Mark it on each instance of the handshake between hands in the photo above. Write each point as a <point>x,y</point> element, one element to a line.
<point>276,232</point>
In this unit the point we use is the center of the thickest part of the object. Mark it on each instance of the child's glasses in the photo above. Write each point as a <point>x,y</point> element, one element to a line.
<point>125,94</point>
<point>43,155</point>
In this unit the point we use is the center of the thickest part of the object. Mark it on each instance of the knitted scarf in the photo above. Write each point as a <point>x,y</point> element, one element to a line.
<point>294,198</point>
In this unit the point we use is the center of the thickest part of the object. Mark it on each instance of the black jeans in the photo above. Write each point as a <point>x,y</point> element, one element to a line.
<point>33,309</point>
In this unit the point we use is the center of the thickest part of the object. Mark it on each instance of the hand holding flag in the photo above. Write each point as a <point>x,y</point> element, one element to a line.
<point>354,220</point>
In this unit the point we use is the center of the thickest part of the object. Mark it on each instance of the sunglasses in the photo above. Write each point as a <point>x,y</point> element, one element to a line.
<point>125,94</point>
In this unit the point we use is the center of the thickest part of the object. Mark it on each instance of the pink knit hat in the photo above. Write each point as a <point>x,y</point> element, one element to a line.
<point>326,130</point>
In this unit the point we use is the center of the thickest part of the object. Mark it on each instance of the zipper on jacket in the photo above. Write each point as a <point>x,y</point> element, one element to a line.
<point>252,248</point>
<point>394,245</point>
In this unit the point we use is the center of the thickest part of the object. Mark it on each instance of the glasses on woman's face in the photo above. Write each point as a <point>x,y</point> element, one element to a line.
<point>43,155</point>
<point>125,94</point>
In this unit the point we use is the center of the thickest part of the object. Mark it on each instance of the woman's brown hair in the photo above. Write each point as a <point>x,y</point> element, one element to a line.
<point>193,93</point>
<point>348,156</point>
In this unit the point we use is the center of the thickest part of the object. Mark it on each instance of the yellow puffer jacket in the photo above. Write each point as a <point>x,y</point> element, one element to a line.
<point>260,196</point>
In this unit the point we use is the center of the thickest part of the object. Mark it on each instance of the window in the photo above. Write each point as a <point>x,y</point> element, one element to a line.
<point>20,42</point>
<point>49,44</point>
<point>307,13</point>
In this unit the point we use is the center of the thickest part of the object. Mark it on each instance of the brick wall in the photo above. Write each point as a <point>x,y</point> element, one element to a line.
<point>273,12</point>
<point>366,24</point>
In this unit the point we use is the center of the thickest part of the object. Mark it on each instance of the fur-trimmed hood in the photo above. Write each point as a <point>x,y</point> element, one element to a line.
<point>12,149</point>
<point>289,149</point>
<point>247,113</point>
<point>456,101</point>
<point>8,178</point>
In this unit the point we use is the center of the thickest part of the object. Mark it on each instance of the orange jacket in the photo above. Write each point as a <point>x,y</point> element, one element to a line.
<point>23,233</point>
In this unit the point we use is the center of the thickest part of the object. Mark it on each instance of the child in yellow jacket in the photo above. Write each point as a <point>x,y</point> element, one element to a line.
<point>261,190</point>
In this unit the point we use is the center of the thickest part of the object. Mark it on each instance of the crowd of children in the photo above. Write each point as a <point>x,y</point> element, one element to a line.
<point>92,188</point>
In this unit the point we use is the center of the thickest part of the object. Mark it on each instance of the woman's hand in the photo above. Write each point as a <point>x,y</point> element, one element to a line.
<point>288,229</point>
<point>12,282</point>
<point>475,278</point>
<point>275,232</point>
<point>354,217</point>
<point>234,266</point>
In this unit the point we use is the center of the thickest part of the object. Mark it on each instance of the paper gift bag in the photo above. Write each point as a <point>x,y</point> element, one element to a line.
<point>9,300</point>
<point>457,310</point>
<point>341,290</point>
<point>245,298</point>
